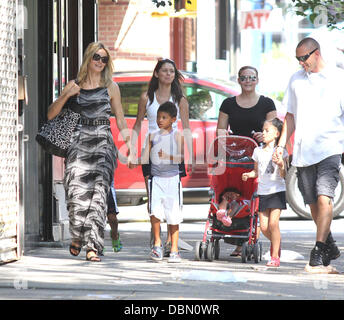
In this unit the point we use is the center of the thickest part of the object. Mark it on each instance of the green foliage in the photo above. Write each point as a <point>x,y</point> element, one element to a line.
<point>321,12</point>
<point>278,95</point>
<point>161,3</point>
<point>199,103</point>
<point>164,3</point>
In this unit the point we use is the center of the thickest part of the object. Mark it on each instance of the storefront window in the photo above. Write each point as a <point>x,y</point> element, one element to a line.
<point>60,58</point>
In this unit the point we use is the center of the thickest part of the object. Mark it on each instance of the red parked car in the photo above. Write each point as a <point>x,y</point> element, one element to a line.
<point>205,97</point>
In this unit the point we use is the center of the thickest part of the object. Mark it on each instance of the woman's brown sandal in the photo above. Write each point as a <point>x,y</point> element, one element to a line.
<point>93,258</point>
<point>236,252</point>
<point>74,249</point>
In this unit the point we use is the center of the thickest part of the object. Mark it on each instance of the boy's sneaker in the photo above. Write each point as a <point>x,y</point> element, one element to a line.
<point>167,249</point>
<point>156,253</point>
<point>174,257</point>
<point>319,255</point>
<point>116,244</point>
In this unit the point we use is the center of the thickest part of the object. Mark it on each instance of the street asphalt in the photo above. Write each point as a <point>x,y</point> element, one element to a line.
<point>49,272</point>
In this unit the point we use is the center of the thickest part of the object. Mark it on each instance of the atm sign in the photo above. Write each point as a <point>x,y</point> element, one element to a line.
<point>255,19</point>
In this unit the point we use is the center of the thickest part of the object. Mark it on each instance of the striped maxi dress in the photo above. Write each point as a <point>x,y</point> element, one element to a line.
<point>89,169</point>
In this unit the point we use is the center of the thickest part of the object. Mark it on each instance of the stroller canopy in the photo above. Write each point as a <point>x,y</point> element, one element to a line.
<point>231,149</point>
<point>229,157</point>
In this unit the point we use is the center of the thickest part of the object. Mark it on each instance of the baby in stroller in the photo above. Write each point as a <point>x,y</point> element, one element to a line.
<point>230,205</point>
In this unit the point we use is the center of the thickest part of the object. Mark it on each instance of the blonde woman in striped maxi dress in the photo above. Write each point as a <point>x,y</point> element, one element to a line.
<point>90,160</point>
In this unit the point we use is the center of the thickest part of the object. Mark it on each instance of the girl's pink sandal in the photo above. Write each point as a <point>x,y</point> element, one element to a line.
<point>274,262</point>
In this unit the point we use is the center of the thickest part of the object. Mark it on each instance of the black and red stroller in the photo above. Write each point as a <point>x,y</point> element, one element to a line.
<point>228,159</point>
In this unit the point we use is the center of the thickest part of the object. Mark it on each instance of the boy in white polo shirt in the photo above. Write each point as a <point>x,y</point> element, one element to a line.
<point>315,112</point>
<point>166,151</point>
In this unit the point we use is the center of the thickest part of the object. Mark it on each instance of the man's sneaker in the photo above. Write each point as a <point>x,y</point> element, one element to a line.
<point>333,251</point>
<point>174,257</point>
<point>319,256</point>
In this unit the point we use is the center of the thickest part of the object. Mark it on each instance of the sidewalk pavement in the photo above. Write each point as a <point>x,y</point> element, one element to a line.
<point>194,212</point>
<point>49,272</point>
<point>191,212</point>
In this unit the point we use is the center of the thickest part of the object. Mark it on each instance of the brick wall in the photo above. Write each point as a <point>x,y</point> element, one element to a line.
<point>110,18</point>
<point>190,39</point>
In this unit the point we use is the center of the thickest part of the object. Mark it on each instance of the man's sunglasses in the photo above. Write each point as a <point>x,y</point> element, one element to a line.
<point>97,57</point>
<point>306,56</point>
<point>245,78</point>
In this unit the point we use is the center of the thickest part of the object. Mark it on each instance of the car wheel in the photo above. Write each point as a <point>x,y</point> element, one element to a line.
<point>295,200</point>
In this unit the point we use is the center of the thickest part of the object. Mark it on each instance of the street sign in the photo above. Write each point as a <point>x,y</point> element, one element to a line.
<point>255,19</point>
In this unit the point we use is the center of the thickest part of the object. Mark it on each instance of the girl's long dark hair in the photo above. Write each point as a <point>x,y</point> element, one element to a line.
<point>176,87</point>
<point>278,124</point>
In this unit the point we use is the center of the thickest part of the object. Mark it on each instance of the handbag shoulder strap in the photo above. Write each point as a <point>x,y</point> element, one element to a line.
<point>73,102</point>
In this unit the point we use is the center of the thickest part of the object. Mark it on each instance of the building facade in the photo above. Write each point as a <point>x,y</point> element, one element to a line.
<point>10,151</point>
<point>42,42</point>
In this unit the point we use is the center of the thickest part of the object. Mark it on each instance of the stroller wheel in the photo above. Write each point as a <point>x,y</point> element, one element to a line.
<point>249,252</point>
<point>257,252</point>
<point>210,251</point>
<point>244,252</point>
<point>198,250</point>
<point>217,249</point>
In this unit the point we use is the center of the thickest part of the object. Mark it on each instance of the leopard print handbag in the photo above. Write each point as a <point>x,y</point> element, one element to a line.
<point>55,135</point>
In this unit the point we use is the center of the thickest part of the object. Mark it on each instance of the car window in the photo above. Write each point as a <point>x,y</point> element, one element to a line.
<point>130,94</point>
<point>204,103</point>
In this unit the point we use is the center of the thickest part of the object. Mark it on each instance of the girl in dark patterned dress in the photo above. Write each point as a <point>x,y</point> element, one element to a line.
<point>90,160</point>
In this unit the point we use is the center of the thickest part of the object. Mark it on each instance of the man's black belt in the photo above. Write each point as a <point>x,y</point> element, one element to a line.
<point>94,122</point>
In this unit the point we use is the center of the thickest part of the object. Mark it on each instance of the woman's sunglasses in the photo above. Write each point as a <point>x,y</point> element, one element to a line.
<point>306,56</point>
<point>245,78</point>
<point>97,57</point>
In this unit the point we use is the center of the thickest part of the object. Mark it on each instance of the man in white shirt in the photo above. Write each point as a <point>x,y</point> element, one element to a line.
<point>315,112</point>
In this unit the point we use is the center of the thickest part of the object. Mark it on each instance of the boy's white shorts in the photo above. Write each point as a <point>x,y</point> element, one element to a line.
<point>166,199</point>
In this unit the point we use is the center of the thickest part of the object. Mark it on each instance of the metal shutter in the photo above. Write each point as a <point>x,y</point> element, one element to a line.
<point>9,161</point>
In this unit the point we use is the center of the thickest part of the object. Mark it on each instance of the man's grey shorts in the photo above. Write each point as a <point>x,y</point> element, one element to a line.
<point>319,179</point>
